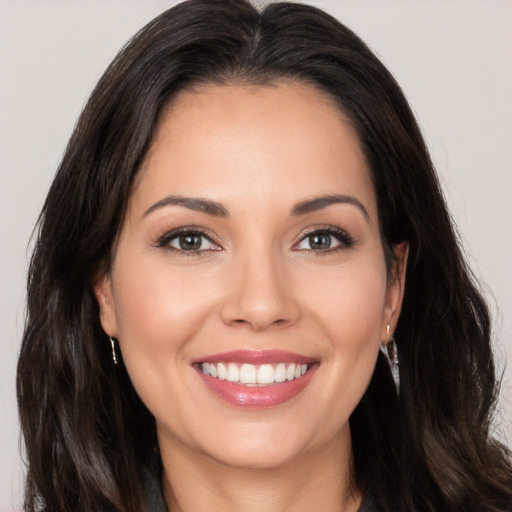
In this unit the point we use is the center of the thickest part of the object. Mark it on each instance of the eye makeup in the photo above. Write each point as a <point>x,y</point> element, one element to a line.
<point>324,239</point>
<point>196,240</point>
<point>189,241</point>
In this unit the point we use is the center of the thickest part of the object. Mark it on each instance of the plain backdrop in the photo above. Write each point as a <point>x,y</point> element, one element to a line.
<point>452,57</point>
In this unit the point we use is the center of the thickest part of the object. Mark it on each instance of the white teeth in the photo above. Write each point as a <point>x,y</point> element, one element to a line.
<point>254,374</point>
<point>265,374</point>
<point>280,375</point>
<point>233,374</point>
<point>247,374</point>
<point>222,372</point>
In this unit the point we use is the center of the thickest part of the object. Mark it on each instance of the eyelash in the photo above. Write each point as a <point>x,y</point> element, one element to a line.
<point>165,240</point>
<point>346,241</point>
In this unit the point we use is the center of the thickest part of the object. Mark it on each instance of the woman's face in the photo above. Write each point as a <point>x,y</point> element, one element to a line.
<point>251,244</point>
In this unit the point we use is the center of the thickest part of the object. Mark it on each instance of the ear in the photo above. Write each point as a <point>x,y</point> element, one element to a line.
<point>104,296</point>
<point>395,290</point>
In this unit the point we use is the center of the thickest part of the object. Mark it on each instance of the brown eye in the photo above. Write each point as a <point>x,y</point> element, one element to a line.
<point>191,241</point>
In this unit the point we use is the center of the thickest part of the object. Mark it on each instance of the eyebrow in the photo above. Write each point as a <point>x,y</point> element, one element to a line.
<point>192,203</point>
<point>218,210</point>
<point>319,203</point>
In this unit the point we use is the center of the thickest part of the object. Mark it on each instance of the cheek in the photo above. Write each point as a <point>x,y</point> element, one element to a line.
<point>350,312</point>
<point>162,313</point>
<point>158,302</point>
<point>349,302</point>
<point>356,331</point>
<point>158,312</point>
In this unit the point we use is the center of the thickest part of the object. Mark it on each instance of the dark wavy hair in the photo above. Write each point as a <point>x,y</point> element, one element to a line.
<point>90,442</point>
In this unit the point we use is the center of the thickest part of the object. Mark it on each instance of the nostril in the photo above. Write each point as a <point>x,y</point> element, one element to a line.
<point>255,325</point>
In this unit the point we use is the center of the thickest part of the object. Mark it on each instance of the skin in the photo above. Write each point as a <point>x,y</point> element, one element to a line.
<point>259,152</point>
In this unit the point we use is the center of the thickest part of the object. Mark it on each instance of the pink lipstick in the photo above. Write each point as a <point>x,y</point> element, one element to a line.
<point>254,378</point>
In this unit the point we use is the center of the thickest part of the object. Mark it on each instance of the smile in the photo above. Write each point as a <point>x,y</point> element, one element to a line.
<point>256,379</point>
<point>250,374</point>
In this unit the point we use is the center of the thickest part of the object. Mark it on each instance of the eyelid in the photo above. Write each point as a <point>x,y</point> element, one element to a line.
<point>164,240</point>
<point>346,241</point>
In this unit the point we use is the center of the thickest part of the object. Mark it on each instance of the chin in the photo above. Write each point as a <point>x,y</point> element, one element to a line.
<point>259,455</point>
<point>274,446</point>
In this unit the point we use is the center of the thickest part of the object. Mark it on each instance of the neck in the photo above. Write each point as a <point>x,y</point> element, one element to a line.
<point>317,480</point>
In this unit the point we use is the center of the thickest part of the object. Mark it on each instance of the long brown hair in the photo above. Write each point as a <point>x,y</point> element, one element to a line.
<point>90,442</point>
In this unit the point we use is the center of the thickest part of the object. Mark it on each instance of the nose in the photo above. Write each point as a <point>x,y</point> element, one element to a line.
<point>260,295</point>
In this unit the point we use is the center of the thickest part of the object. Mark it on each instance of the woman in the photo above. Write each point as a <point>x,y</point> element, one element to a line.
<point>245,213</point>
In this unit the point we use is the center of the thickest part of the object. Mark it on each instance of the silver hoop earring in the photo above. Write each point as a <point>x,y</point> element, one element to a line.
<point>390,351</point>
<point>114,357</point>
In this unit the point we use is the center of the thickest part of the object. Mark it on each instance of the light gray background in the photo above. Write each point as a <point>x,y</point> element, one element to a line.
<point>453,59</point>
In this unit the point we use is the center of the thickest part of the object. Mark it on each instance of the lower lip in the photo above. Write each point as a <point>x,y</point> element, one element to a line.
<point>257,397</point>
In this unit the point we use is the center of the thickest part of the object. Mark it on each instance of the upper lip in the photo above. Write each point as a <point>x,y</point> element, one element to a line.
<point>255,357</point>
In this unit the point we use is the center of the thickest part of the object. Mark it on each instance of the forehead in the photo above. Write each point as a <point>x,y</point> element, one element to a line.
<point>272,142</point>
